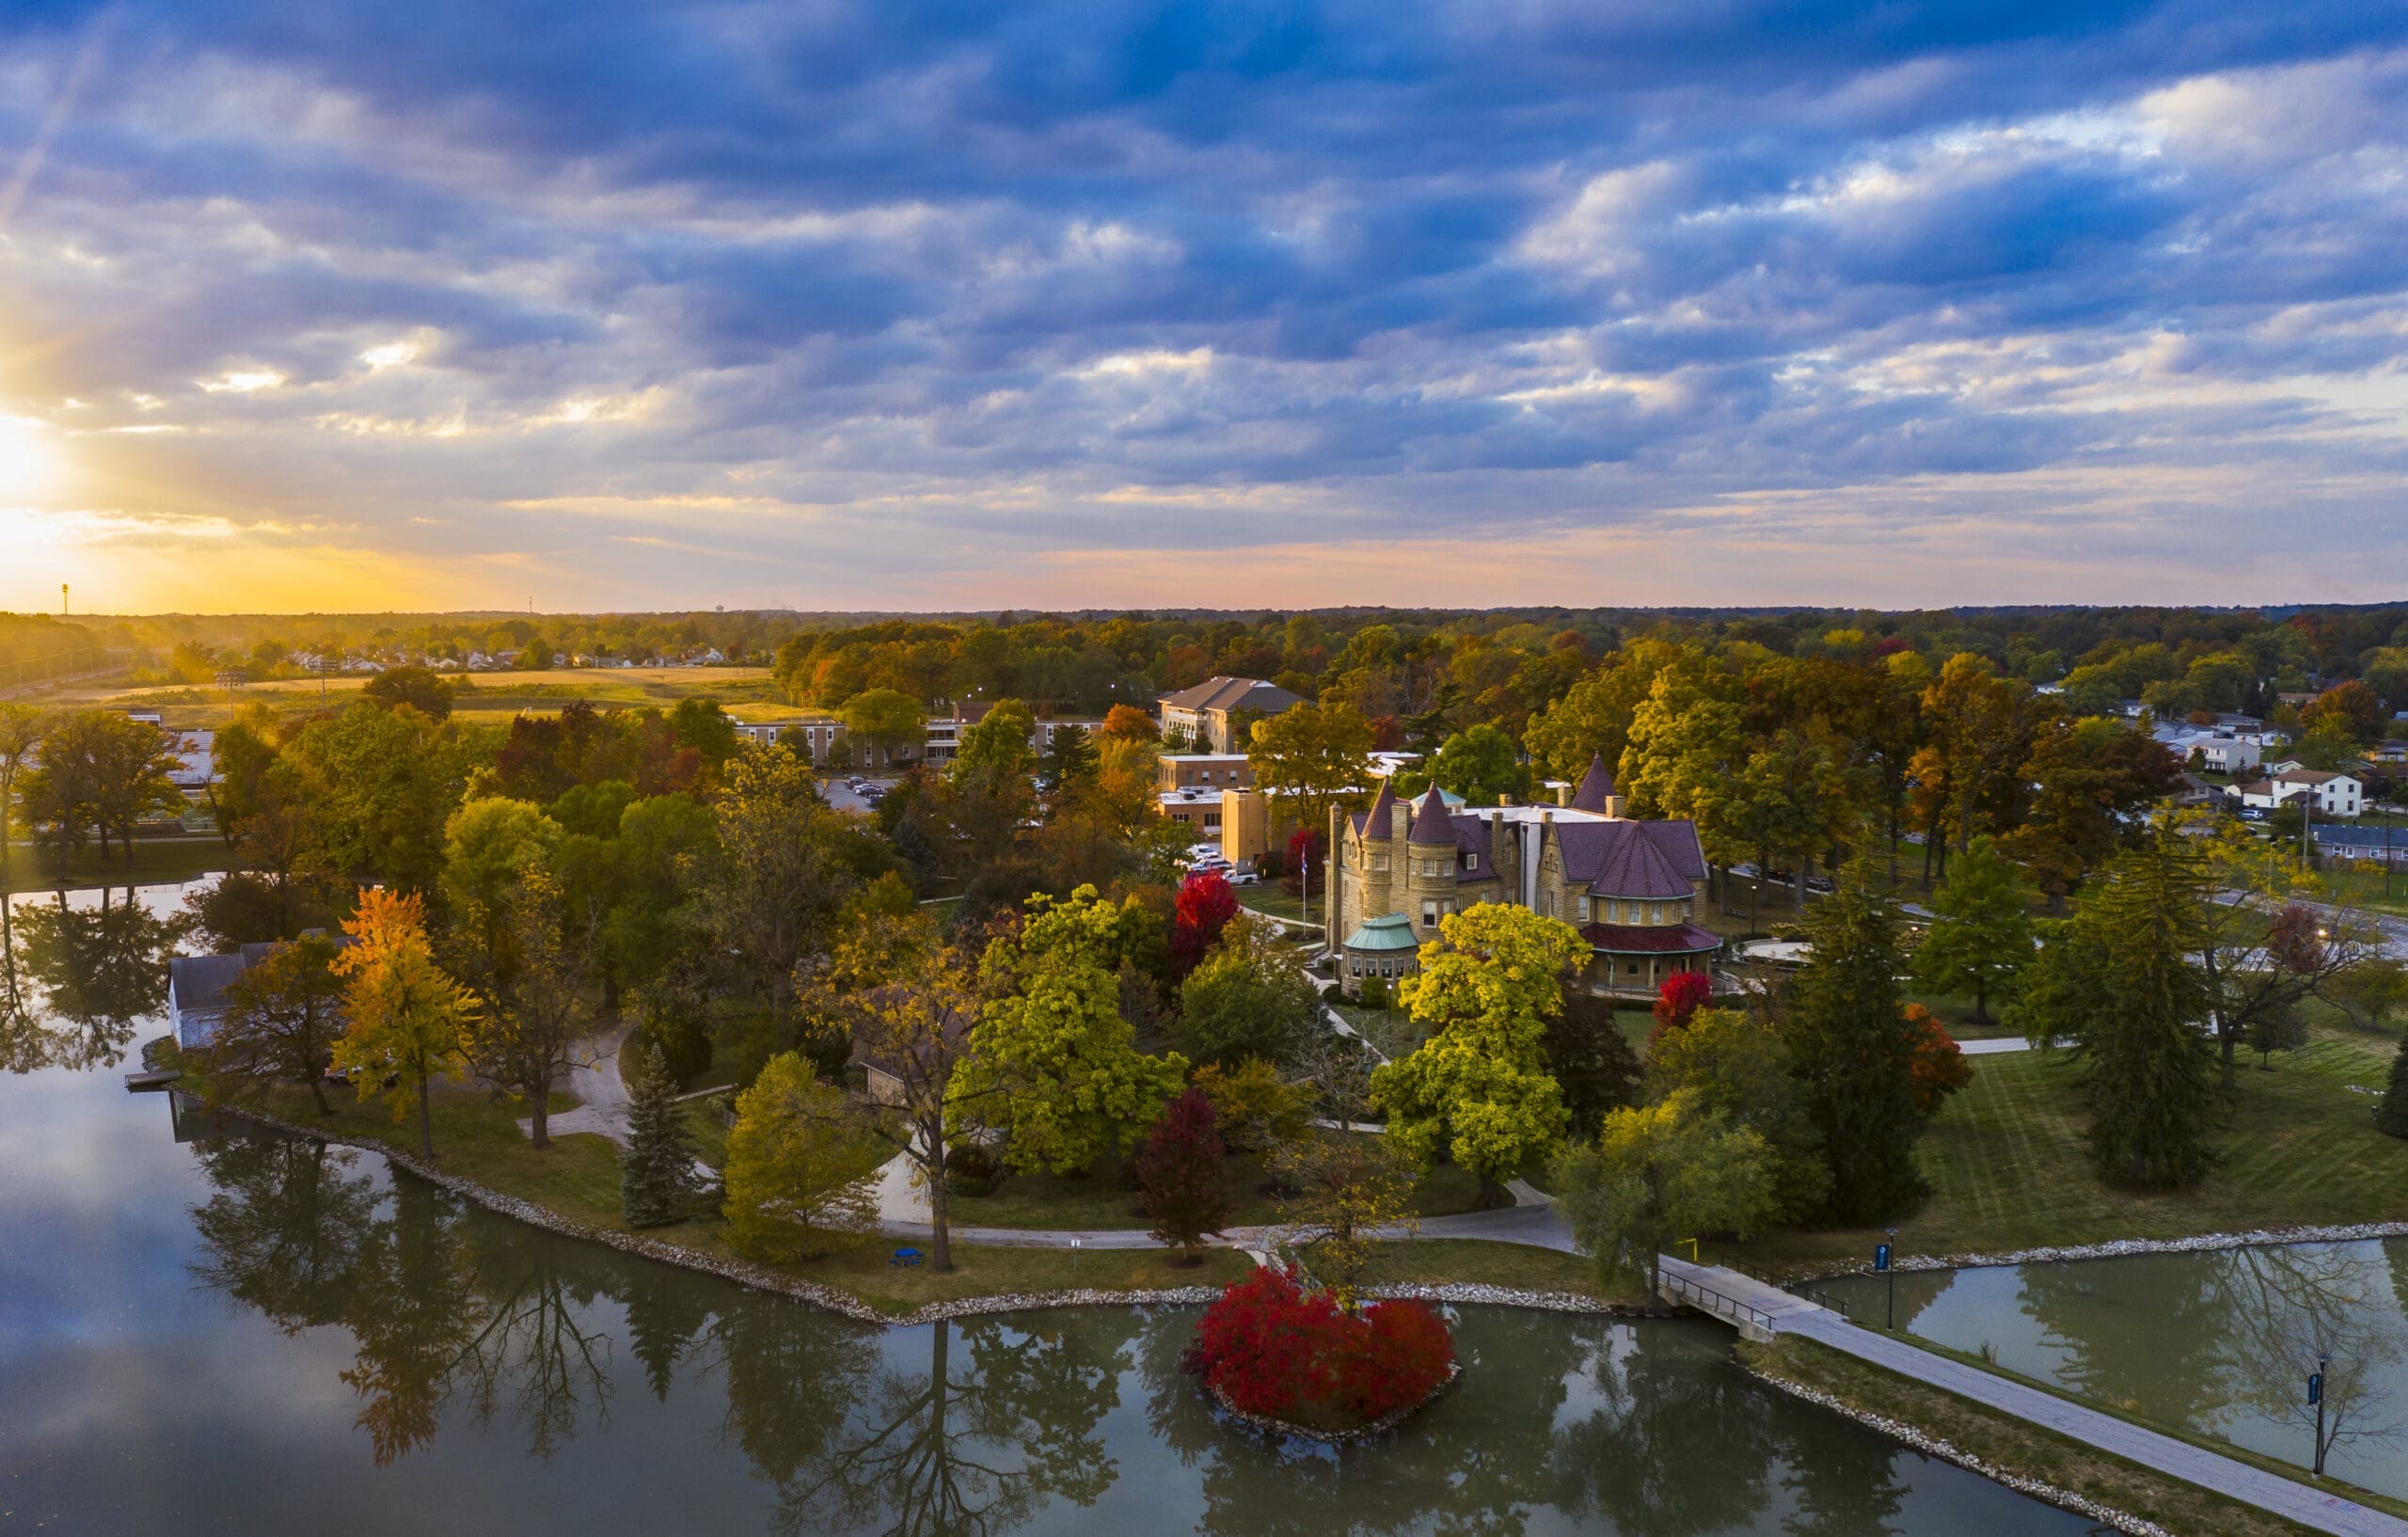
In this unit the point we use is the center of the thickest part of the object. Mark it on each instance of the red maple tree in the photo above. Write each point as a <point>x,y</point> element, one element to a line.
<point>1184,1175</point>
<point>1677,1002</point>
<point>1939,1068</point>
<point>1271,1347</point>
<point>1206,904</point>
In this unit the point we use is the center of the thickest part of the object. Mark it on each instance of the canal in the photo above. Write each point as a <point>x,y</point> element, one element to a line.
<point>204,1328</point>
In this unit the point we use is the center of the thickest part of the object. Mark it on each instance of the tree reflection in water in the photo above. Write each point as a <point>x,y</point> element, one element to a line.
<point>980,1443</point>
<point>301,1233</point>
<point>74,981</point>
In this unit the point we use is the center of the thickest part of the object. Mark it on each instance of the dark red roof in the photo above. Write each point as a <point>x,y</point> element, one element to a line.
<point>1595,785</point>
<point>1430,823</point>
<point>1628,939</point>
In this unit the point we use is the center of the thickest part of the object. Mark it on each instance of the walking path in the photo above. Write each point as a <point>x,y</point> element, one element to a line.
<point>1776,1312</point>
<point>594,1083</point>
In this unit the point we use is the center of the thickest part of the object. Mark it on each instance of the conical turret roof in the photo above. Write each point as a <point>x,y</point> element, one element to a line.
<point>1380,822</point>
<point>1595,787</point>
<point>1430,821</point>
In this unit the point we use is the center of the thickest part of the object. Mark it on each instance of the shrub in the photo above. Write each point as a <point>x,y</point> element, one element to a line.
<point>1270,1347</point>
<point>1941,1069</point>
<point>1373,993</point>
<point>1677,1000</point>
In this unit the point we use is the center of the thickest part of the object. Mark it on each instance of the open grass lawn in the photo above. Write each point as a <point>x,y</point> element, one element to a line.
<point>2006,1441</point>
<point>477,1137</point>
<point>749,692</point>
<point>1275,900</point>
<point>155,861</point>
<point>1429,1261</point>
<point>1096,1200</point>
<point>1955,1013</point>
<point>2009,1169</point>
<point>2359,888</point>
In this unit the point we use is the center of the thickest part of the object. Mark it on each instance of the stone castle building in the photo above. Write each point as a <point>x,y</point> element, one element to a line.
<point>1630,887</point>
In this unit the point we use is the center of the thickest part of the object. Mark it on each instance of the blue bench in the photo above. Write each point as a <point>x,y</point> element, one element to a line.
<point>906,1257</point>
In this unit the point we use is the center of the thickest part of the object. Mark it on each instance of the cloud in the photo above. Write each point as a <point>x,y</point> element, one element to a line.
<point>899,299</point>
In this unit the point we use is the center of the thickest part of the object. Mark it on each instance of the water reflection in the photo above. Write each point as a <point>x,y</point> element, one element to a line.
<point>1037,1421</point>
<point>2220,1343</point>
<point>77,976</point>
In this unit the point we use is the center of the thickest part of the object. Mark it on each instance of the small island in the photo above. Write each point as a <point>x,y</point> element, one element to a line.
<point>1298,1360</point>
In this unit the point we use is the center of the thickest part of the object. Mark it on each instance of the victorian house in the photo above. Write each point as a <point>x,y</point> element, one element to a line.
<point>1632,888</point>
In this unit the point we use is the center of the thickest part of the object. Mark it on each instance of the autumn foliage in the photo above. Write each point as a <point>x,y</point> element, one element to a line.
<point>1941,1069</point>
<point>1205,906</point>
<point>1681,997</point>
<point>1307,848</point>
<point>1185,1174</point>
<point>1270,1347</point>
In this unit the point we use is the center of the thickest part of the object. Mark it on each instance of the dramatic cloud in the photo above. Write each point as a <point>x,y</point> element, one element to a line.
<point>462,304</point>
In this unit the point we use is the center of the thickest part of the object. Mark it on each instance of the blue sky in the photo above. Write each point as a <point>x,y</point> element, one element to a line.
<point>453,304</point>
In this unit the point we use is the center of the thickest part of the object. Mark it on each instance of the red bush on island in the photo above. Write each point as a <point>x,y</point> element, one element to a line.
<point>1270,1347</point>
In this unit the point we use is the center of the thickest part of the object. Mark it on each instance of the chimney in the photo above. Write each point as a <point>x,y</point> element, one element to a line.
<point>1613,808</point>
<point>1564,795</point>
<point>1504,801</point>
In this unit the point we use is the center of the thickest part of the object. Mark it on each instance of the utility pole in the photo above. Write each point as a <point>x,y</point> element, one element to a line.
<point>62,600</point>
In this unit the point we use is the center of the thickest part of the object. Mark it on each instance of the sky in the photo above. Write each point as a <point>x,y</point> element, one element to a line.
<point>464,304</point>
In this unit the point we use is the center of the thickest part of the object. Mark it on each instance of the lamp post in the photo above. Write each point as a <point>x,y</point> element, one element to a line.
<point>1881,1262</point>
<point>2316,1397</point>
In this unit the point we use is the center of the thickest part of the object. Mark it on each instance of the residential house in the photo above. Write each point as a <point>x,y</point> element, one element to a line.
<point>1202,714</point>
<point>1631,887</point>
<point>196,1000</point>
<point>2329,794</point>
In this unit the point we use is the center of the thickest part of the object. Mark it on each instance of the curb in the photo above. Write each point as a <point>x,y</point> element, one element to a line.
<point>2125,1247</point>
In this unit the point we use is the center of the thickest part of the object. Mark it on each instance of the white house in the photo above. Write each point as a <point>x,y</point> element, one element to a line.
<point>2227,755</point>
<point>2330,794</point>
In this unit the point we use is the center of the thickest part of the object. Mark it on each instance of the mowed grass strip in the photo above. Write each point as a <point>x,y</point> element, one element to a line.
<point>2004,1441</point>
<point>2010,1169</point>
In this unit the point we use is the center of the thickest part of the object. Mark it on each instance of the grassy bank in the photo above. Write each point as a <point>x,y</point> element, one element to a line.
<point>155,861</point>
<point>1098,1199</point>
<point>2009,1169</point>
<point>2012,1444</point>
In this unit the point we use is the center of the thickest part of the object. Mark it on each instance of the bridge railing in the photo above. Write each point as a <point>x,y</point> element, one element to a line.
<point>1705,1299</point>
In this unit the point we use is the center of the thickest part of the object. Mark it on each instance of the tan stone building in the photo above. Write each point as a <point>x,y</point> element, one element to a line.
<point>1632,888</point>
<point>1201,714</point>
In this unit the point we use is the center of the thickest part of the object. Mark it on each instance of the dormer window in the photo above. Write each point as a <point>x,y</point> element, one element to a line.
<point>1471,861</point>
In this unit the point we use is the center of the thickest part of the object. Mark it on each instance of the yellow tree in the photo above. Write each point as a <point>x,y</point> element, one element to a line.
<point>406,1012</point>
<point>1479,1083</point>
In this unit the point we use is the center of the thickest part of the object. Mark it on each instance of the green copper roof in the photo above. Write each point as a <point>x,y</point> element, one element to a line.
<point>1393,932</point>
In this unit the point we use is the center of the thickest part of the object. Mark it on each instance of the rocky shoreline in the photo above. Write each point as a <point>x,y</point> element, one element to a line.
<point>763,1278</point>
<point>2124,1247</point>
<point>1272,1425</point>
<point>1898,1430</point>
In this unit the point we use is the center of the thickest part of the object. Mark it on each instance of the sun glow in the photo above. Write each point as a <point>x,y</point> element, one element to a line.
<point>30,465</point>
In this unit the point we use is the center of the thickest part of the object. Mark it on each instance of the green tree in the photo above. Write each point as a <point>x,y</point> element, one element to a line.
<point>2391,1110</point>
<point>798,1184</point>
<point>2089,781</point>
<point>1052,1061</point>
<point>2119,981</point>
<point>1071,762</point>
<point>1658,1175</point>
<point>1854,1053</point>
<point>423,689</point>
<point>529,1034</point>
<point>406,1014</point>
<point>1738,1066</point>
<point>1481,765</point>
<point>1980,938</point>
<point>777,876</point>
<point>1593,719</point>
<point>885,723</point>
<point>103,770</point>
<point>1593,1063</point>
<point>1311,757</point>
<point>1479,1084</point>
<point>21,733</point>
<point>1247,999</point>
<point>1347,1190</point>
<point>281,1020</point>
<point>657,1171</point>
<point>698,722</point>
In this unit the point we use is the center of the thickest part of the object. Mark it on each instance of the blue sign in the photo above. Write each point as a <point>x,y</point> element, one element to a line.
<point>2316,1387</point>
<point>1880,1258</point>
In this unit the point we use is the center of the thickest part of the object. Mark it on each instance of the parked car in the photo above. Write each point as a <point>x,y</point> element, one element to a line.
<point>1821,885</point>
<point>1745,872</point>
<point>1249,879</point>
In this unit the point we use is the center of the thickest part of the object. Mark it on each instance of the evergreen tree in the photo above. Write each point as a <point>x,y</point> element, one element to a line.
<point>2391,1114</point>
<point>1982,938</point>
<point>1070,759</point>
<point>2121,982</point>
<point>1855,1054</point>
<point>657,1171</point>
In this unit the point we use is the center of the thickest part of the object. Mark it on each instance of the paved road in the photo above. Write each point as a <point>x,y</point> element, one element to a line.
<point>2317,1509</point>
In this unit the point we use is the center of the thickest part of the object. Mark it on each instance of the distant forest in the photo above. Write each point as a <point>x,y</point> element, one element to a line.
<point>1498,666</point>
